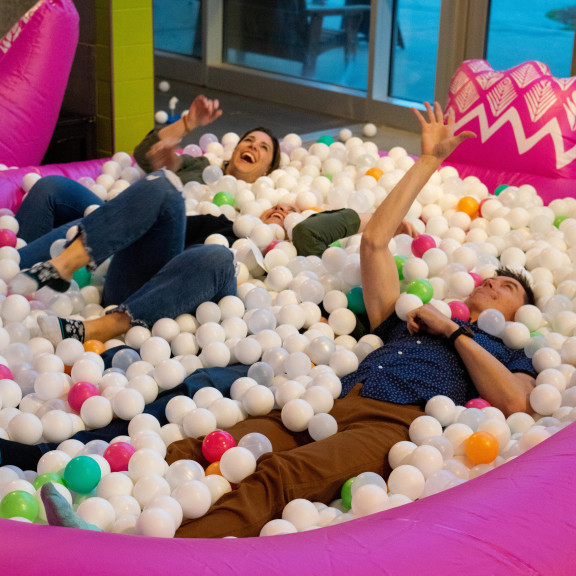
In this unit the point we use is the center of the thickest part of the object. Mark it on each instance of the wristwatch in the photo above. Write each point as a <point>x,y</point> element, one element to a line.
<point>462,331</point>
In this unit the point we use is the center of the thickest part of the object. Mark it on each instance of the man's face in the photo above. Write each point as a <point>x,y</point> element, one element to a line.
<point>252,157</point>
<point>501,293</point>
<point>277,214</point>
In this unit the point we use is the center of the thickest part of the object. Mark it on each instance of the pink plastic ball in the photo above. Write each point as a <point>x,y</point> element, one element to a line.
<point>477,403</point>
<point>216,443</point>
<point>5,373</point>
<point>271,246</point>
<point>7,238</point>
<point>118,455</point>
<point>422,244</point>
<point>459,310</point>
<point>79,393</point>
<point>477,278</point>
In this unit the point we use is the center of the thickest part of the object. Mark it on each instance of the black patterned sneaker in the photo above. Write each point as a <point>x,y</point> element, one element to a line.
<point>40,275</point>
<point>56,329</point>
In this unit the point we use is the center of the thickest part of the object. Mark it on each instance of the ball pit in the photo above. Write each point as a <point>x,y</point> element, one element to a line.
<point>282,328</point>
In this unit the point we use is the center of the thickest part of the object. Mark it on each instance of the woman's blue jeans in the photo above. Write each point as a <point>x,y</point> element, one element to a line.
<point>151,275</point>
<point>52,202</point>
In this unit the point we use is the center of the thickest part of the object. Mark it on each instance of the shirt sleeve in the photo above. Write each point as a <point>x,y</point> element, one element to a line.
<point>142,149</point>
<point>312,236</point>
<point>519,362</point>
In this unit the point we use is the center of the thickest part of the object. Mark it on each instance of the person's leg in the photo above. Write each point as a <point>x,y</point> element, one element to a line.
<point>50,203</point>
<point>39,250</point>
<point>146,221</point>
<point>200,273</point>
<point>315,471</point>
<point>26,457</point>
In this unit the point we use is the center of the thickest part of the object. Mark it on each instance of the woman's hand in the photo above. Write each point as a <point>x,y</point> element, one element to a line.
<point>406,227</point>
<point>202,111</point>
<point>163,154</point>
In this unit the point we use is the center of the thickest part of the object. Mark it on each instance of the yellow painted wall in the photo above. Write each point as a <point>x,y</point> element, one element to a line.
<point>124,73</point>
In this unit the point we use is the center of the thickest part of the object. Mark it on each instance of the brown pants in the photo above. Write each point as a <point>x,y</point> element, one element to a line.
<point>300,467</point>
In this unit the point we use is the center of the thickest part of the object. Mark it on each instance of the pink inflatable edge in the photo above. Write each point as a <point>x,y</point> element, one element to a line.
<point>516,520</point>
<point>11,192</point>
<point>35,70</point>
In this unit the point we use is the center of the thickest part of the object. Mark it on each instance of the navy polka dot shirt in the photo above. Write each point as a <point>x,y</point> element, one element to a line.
<point>411,369</point>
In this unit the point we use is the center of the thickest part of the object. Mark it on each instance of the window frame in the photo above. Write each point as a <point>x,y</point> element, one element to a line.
<point>462,36</point>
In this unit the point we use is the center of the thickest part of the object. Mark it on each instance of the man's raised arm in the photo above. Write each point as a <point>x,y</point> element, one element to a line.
<point>379,277</point>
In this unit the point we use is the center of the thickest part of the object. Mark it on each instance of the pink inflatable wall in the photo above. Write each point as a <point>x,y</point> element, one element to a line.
<point>525,120</point>
<point>517,520</point>
<point>11,191</point>
<point>35,60</point>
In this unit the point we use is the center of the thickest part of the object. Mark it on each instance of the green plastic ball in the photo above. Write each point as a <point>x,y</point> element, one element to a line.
<point>82,474</point>
<point>83,277</point>
<point>326,139</point>
<point>346,493</point>
<point>500,188</point>
<point>536,335</point>
<point>421,288</point>
<point>356,300</point>
<point>336,244</point>
<point>400,261</point>
<point>222,198</point>
<point>39,481</point>
<point>19,504</point>
<point>558,220</point>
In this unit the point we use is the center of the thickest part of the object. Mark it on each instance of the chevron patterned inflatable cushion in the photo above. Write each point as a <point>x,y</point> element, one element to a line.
<point>524,117</point>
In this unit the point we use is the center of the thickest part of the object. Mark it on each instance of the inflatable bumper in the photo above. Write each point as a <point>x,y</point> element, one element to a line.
<point>517,520</point>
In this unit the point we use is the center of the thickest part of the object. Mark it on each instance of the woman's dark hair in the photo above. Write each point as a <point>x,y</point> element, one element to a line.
<point>275,146</point>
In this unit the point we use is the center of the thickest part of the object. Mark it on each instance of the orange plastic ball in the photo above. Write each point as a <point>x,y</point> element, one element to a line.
<point>214,468</point>
<point>482,447</point>
<point>469,205</point>
<point>375,173</point>
<point>94,346</point>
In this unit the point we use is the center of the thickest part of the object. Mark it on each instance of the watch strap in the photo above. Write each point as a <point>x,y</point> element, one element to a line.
<point>462,331</point>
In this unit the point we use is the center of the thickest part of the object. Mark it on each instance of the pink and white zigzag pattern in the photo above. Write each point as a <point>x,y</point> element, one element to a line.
<point>539,99</point>
<point>525,144</point>
<point>14,32</point>
<point>501,96</point>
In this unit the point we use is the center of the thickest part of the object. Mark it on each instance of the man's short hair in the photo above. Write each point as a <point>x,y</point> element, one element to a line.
<point>522,279</point>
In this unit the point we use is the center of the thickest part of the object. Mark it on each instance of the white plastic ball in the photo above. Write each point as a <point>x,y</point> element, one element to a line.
<point>237,463</point>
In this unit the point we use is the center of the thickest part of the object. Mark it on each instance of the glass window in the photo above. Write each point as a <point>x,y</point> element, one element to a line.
<point>414,50</point>
<point>178,26</point>
<point>321,40</point>
<point>532,30</point>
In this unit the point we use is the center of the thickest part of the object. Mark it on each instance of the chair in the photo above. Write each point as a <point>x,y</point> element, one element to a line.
<point>290,30</point>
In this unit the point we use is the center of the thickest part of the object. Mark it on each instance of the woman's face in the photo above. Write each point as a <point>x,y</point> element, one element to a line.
<point>252,157</point>
<point>277,214</point>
